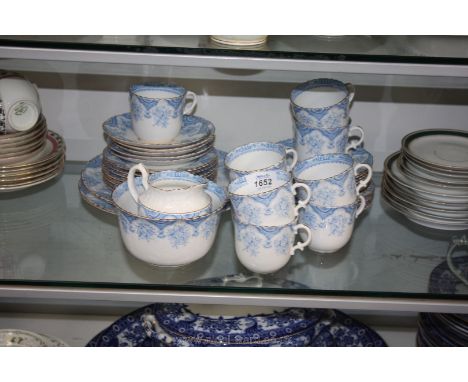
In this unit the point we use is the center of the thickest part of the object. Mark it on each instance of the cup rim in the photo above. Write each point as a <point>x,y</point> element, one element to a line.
<point>351,166</point>
<point>133,89</point>
<point>209,206</point>
<point>318,80</point>
<point>213,212</point>
<point>262,192</point>
<point>245,172</point>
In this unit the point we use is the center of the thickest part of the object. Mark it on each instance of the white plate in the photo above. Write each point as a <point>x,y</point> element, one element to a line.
<point>446,149</point>
<point>194,129</point>
<point>24,338</point>
<point>429,192</point>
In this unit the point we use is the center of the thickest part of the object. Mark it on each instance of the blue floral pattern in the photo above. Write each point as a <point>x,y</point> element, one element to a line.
<point>176,325</point>
<point>194,129</point>
<point>334,221</point>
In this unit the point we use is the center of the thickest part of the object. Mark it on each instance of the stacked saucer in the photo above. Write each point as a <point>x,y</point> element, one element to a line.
<point>192,150</point>
<point>445,330</point>
<point>30,157</point>
<point>427,181</point>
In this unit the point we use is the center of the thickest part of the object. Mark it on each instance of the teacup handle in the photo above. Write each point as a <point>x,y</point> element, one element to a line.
<point>353,145</point>
<point>302,203</point>
<point>293,160</point>
<point>302,244</point>
<point>351,90</point>
<point>189,108</point>
<point>362,205</point>
<point>131,180</point>
<point>363,183</point>
<point>456,242</point>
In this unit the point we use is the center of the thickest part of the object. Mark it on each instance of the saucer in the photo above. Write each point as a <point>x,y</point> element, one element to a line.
<point>24,338</point>
<point>443,149</point>
<point>194,130</point>
<point>94,201</point>
<point>91,176</point>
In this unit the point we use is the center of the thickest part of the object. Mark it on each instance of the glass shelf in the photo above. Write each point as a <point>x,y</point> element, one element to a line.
<point>428,49</point>
<point>51,240</point>
<point>435,56</point>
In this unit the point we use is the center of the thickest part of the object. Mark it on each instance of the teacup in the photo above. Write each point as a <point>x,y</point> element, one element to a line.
<point>170,194</point>
<point>259,156</point>
<point>266,198</point>
<point>157,110</point>
<point>264,249</point>
<point>332,178</point>
<point>322,103</point>
<point>310,142</point>
<point>331,227</point>
<point>20,106</point>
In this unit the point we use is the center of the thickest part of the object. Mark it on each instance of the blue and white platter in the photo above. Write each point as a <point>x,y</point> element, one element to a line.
<point>182,325</point>
<point>194,130</point>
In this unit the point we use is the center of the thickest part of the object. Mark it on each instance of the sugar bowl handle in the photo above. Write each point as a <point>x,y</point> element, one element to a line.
<point>131,180</point>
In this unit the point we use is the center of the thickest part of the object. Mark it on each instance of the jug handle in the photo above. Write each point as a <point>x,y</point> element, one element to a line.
<point>131,180</point>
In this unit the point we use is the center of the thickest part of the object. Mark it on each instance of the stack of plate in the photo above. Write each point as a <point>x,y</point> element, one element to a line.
<point>442,330</point>
<point>192,150</point>
<point>30,157</point>
<point>427,181</point>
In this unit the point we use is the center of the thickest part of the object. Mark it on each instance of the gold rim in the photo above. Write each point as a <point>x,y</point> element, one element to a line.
<point>61,147</point>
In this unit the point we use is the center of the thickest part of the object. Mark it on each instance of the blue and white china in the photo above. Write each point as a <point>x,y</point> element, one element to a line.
<point>94,201</point>
<point>332,178</point>
<point>20,105</point>
<point>166,242</point>
<point>359,154</point>
<point>263,249</point>
<point>125,164</point>
<point>259,156</point>
<point>314,141</point>
<point>322,103</point>
<point>91,176</point>
<point>194,130</point>
<point>182,325</point>
<point>331,227</point>
<point>171,194</point>
<point>157,110</point>
<point>267,198</point>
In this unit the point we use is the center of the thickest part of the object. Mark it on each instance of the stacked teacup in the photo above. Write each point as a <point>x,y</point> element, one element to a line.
<point>320,111</point>
<point>161,132</point>
<point>264,206</point>
<point>30,154</point>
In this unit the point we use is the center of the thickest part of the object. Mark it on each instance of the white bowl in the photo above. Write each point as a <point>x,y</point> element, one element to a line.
<point>168,242</point>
